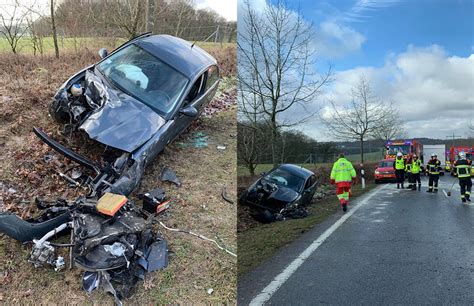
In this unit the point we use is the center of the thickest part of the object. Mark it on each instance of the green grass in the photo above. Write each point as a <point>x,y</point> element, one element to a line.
<point>260,242</point>
<point>69,44</point>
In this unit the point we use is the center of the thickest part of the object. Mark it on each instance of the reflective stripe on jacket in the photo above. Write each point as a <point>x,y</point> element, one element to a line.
<point>433,166</point>
<point>463,168</point>
<point>408,167</point>
<point>342,171</point>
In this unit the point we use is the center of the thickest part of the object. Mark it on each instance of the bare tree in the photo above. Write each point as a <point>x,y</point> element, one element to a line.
<point>362,119</point>
<point>53,29</point>
<point>13,25</point>
<point>392,128</point>
<point>276,47</point>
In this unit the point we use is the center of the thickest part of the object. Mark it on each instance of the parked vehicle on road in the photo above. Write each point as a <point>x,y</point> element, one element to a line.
<point>384,171</point>
<point>280,192</point>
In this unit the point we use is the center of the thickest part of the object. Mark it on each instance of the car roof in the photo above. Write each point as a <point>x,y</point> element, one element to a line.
<point>177,53</point>
<point>296,170</point>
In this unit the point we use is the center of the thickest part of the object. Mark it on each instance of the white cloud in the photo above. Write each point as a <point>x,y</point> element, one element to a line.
<point>362,9</point>
<point>227,9</point>
<point>434,92</point>
<point>335,40</point>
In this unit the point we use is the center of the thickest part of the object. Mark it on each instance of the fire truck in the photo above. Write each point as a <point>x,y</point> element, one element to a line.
<point>452,156</point>
<point>406,147</point>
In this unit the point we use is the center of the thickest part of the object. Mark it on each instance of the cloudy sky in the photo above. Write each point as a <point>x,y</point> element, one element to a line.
<point>417,53</point>
<point>226,8</point>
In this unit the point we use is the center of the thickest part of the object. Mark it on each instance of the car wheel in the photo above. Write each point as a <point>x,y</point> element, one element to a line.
<point>265,216</point>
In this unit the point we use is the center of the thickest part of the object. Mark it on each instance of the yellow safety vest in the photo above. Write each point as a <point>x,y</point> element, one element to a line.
<point>416,166</point>
<point>399,164</point>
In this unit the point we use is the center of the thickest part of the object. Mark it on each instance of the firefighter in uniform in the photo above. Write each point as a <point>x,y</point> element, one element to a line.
<point>408,171</point>
<point>343,175</point>
<point>433,167</point>
<point>463,171</point>
<point>399,166</point>
<point>415,172</point>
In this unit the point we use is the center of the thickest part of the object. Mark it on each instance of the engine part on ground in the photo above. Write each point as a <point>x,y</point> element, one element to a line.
<point>153,199</point>
<point>168,175</point>
<point>90,281</point>
<point>44,253</point>
<point>110,203</point>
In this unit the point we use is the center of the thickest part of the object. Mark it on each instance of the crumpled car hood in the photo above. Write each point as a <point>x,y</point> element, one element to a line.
<point>120,121</point>
<point>283,195</point>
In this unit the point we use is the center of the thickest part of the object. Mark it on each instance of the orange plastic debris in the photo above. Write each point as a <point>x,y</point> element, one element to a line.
<point>110,203</point>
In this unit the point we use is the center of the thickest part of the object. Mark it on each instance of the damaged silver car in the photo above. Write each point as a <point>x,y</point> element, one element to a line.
<point>135,101</point>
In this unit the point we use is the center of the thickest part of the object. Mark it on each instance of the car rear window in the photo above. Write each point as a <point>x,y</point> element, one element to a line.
<point>145,77</point>
<point>384,164</point>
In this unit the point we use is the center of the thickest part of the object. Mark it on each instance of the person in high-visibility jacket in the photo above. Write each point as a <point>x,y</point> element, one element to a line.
<point>399,166</point>
<point>433,167</point>
<point>408,165</point>
<point>463,171</point>
<point>343,175</point>
<point>415,172</point>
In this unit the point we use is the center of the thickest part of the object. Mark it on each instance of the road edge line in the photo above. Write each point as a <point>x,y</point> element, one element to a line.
<point>283,276</point>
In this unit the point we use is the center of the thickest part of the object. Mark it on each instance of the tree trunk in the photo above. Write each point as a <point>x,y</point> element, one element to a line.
<point>150,14</point>
<point>361,150</point>
<point>251,168</point>
<point>53,28</point>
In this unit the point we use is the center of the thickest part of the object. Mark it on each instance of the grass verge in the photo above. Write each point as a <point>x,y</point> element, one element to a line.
<point>258,243</point>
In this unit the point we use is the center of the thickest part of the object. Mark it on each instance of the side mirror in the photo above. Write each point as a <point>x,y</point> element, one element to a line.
<point>103,53</point>
<point>189,111</point>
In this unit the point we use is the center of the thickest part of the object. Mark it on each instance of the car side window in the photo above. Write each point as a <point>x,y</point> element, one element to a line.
<point>310,182</point>
<point>196,90</point>
<point>212,76</point>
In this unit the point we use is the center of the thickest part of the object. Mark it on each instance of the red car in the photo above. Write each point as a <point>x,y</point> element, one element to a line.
<point>384,171</point>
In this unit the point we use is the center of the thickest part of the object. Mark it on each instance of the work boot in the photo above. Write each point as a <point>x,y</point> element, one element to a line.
<point>344,207</point>
<point>402,186</point>
<point>429,190</point>
<point>468,198</point>
<point>419,187</point>
<point>463,200</point>
<point>435,191</point>
<point>398,186</point>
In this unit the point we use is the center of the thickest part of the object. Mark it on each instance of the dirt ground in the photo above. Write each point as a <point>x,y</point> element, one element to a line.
<point>195,266</point>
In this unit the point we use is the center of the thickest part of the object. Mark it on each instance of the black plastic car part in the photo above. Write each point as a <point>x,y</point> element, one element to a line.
<point>67,152</point>
<point>23,231</point>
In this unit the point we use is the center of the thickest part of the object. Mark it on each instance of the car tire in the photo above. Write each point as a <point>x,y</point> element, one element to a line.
<point>265,216</point>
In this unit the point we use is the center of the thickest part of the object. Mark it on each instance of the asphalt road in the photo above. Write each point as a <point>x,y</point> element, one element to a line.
<point>397,247</point>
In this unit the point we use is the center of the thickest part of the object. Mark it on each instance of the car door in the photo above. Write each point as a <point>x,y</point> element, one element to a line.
<point>200,94</point>
<point>309,190</point>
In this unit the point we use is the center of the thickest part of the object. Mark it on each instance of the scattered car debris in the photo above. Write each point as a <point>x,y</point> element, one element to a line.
<point>280,194</point>
<point>210,291</point>
<point>221,147</point>
<point>168,175</point>
<point>197,140</point>
<point>112,240</point>
<point>225,196</point>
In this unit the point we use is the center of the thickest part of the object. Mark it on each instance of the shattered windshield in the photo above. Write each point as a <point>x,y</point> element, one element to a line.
<point>144,77</point>
<point>283,178</point>
<point>393,150</point>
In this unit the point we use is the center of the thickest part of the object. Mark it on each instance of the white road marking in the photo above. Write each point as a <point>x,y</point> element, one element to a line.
<point>281,278</point>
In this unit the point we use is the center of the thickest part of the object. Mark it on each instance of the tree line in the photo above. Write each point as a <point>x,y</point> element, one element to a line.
<point>112,19</point>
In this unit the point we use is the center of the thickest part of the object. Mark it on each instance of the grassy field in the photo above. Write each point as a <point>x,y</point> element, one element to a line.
<point>76,44</point>
<point>258,243</point>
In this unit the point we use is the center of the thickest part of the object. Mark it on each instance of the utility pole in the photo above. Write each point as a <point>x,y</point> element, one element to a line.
<point>453,137</point>
<point>150,15</point>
